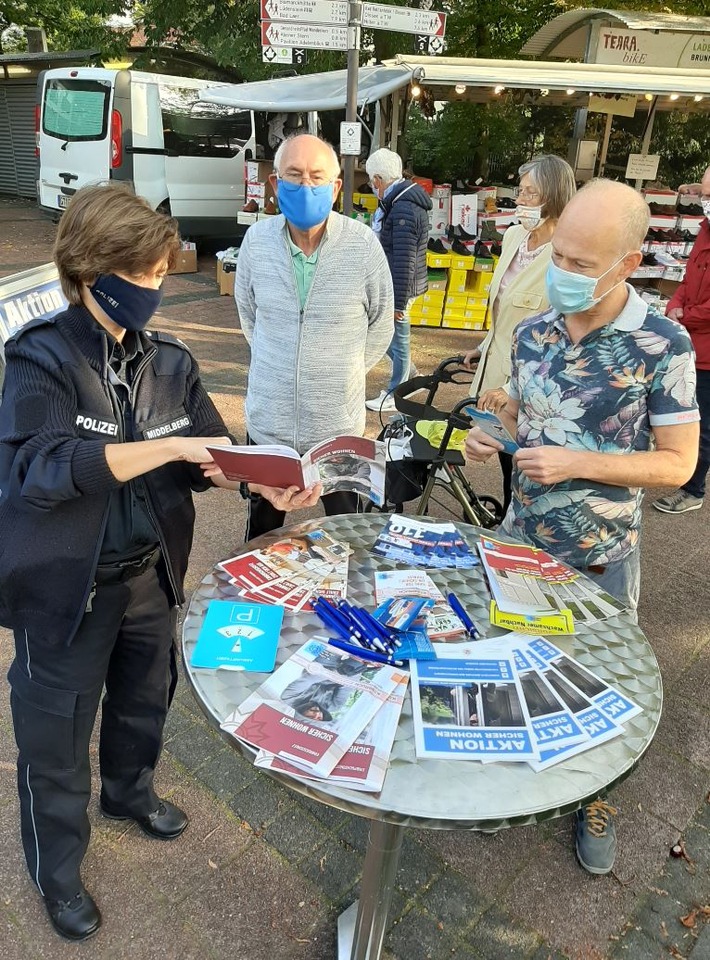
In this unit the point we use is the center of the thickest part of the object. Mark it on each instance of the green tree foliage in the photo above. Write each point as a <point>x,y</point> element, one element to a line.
<point>77,25</point>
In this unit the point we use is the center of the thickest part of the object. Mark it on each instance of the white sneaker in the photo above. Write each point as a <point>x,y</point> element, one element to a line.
<point>384,401</point>
<point>679,502</point>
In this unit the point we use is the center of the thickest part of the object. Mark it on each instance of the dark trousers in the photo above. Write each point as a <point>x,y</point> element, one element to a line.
<point>127,644</point>
<point>696,485</point>
<point>262,517</point>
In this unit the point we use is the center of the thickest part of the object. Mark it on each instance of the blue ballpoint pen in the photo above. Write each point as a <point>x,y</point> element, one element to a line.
<point>387,635</point>
<point>458,609</point>
<point>348,632</point>
<point>364,654</point>
<point>363,627</point>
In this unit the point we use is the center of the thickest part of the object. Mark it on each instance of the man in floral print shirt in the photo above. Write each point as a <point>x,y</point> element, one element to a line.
<point>602,401</point>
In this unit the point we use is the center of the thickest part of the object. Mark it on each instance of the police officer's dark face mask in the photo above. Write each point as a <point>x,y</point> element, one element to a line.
<point>127,304</point>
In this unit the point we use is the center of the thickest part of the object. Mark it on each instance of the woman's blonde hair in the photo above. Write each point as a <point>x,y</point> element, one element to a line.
<point>108,229</point>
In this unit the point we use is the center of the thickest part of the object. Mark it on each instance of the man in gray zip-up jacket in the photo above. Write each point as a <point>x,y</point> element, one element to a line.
<point>316,305</point>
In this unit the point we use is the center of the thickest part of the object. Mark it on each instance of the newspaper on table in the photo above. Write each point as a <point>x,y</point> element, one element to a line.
<point>365,763</point>
<point>471,709</point>
<point>291,571</point>
<point>312,709</point>
<point>422,543</point>
<point>535,593</point>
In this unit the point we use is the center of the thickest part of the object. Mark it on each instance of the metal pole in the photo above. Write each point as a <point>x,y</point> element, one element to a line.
<point>354,20</point>
<point>646,143</point>
<point>605,143</point>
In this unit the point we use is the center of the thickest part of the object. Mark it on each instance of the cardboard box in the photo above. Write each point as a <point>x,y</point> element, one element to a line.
<point>461,323</point>
<point>441,191</point>
<point>664,223</point>
<point>483,265</point>
<point>186,260</point>
<point>457,302</point>
<point>486,193</point>
<point>426,321</point>
<point>479,283</point>
<point>367,200</point>
<point>473,302</point>
<point>431,297</point>
<point>475,313</point>
<point>424,182</point>
<point>439,216</point>
<point>225,280</point>
<point>458,281</point>
<point>258,171</point>
<point>668,197</point>
<point>462,263</point>
<point>426,310</point>
<point>437,259</point>
<point>437,279</point>
<point>464,212</point>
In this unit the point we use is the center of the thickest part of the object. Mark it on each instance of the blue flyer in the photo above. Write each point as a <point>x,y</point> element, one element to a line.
<point>239,636</point>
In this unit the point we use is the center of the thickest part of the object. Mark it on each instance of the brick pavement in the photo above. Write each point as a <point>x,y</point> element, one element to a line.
<point>263,873</point>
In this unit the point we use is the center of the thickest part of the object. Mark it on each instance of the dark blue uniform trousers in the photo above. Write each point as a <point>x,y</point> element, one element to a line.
<point>127,644</point>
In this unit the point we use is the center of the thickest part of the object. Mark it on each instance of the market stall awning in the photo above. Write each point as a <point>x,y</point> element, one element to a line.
<point>551,75</point>
<point>314,91</point>
<point>566,35</point>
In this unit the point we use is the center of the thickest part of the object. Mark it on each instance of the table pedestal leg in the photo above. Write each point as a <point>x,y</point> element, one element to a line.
<point>361,928</point>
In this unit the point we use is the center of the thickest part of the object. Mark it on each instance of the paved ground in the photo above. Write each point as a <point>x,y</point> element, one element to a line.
<point>262,873</point>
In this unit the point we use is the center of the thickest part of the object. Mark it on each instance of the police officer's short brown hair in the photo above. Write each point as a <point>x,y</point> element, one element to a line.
<point>108,229</point>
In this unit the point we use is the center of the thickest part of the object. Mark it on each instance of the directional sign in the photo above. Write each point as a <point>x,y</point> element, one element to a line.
<point>306,11</point>
<point>380,16</point>
<point>283,55</point>
<point>350,139</point>
<point>430,46</point>
<point>275,34</point>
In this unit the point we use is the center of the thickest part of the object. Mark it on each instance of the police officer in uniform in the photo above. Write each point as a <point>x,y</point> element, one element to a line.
<point>103,433</point>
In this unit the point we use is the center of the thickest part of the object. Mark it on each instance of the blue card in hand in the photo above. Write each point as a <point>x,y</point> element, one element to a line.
<point>238,636</point>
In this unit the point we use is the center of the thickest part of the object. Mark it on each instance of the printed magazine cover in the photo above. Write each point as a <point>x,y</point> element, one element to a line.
<point>422,543</point>
<point>365,763</point>
<point>442,624</point>
<point>355,464</point>
<point>470,709</point>
<point>314,707</point>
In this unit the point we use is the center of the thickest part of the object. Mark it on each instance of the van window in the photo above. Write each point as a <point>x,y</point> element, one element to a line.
<point>76,109</point>
<point>192,128</point>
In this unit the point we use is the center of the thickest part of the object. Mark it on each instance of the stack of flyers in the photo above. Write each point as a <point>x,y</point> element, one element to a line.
<point>471,709</point>
<point>442,624</point>
<point>532,592</point>
<point>568,708</point>
<point>420,543</point>
<point>290,572</point>
<point>324,714</point>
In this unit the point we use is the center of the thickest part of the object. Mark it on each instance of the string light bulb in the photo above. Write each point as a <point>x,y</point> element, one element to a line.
<point>460,88</point>
<point>648,96</point>
<point>498,89</point>
<point>698,97</point>
<point>544,92</point>
<point>570,91</point>
<point>416,91</point>
<point>673,96</point>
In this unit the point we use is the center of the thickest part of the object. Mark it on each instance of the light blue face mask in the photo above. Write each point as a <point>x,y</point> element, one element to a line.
<point>304,206</point>
<point>570,292</point>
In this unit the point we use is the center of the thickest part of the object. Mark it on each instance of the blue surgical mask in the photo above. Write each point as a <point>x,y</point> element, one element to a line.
<point>304,206</point>
<point>127,304</point>
<point>570,292</point>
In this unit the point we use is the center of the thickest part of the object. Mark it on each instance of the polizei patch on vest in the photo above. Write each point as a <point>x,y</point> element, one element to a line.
<point>165,429</point>
<point>94,425</point>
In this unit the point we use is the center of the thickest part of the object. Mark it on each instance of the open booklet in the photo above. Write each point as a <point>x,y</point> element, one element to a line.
<point>354,464</point>
<point>493,426</point>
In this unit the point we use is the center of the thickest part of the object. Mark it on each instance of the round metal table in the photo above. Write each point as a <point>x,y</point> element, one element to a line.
<point>438,794</point>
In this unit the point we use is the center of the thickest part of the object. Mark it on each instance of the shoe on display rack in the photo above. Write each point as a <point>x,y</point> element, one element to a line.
<point>595,837</point>
<point>436,246</point>
<point>458,248</point>
<point>679,502</point>
<point>384,401</point>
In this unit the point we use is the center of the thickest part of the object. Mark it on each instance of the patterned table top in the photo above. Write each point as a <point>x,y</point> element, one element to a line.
<point>448,794</point>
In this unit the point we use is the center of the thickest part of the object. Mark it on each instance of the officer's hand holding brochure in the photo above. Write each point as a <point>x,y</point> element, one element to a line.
<point>493,427</point>
<point>354,464</point>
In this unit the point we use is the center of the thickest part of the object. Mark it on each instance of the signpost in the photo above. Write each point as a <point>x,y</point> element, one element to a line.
<point>336,25</point>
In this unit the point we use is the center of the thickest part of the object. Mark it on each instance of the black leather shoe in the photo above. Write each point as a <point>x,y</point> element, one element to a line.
<point>165,823</point>
<point>74,919</point>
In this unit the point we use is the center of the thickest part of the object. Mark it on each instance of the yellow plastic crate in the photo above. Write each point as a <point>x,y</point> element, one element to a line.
<point>462,263</point>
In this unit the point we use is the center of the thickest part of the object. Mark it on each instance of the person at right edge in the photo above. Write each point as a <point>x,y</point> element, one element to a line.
<point>602,403</point>
<point>518,283</point>
<point>690,305</point>
<point>402,223</point>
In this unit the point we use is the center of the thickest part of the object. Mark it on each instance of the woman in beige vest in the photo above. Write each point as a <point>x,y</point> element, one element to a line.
<point>518,285</point>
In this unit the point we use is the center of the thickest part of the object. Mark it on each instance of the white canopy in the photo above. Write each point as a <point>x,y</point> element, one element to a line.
<point>327,91</point>
<point>314,91</point>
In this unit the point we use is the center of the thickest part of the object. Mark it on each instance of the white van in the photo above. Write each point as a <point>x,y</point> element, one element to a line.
<point>183,155</point>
